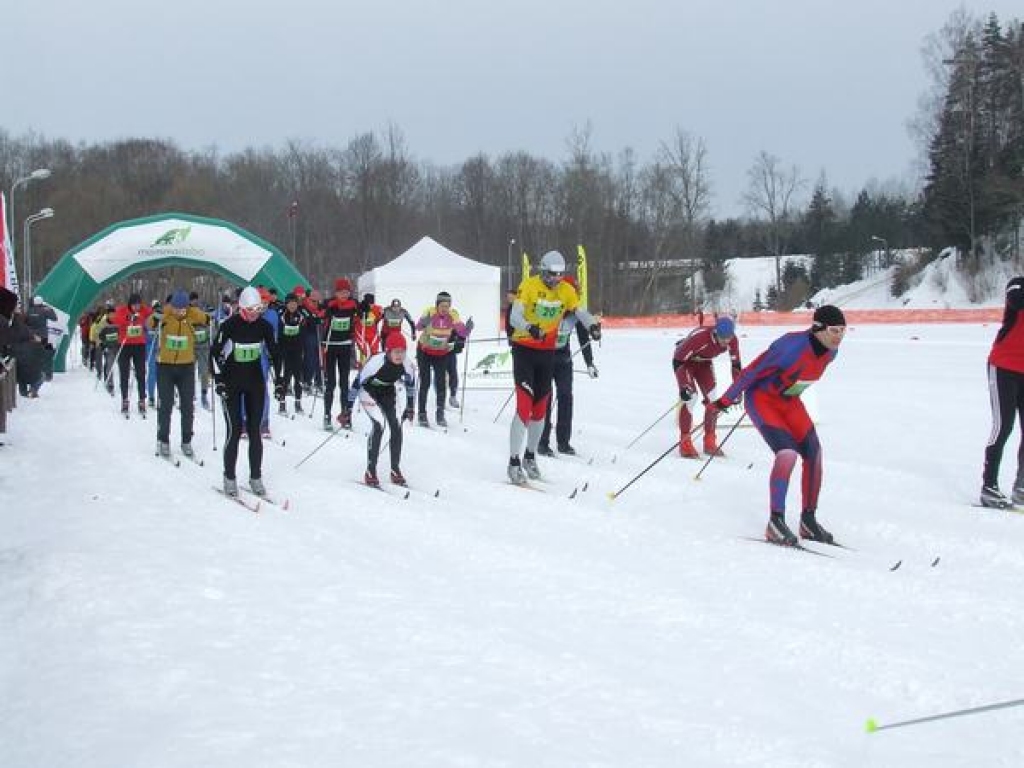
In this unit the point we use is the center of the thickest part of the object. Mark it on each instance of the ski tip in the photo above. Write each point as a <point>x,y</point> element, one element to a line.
<point>287,505</point>
<point>871,725</point>
<point>935,561</point>
<point>573,494</point>
<point>750,465</point>
<point>437,493</point>
<point>896,565</point>
<point>406,495</point>
<point>585,486</point>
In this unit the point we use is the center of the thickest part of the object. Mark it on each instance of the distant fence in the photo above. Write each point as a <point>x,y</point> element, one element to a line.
<point>853,317</point>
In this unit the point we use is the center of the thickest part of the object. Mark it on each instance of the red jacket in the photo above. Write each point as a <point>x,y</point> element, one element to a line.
<point>131,325</point>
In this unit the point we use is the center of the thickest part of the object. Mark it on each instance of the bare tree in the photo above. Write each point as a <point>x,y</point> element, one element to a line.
<point>770,197</point>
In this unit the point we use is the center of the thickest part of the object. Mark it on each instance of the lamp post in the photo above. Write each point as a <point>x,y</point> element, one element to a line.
<point>45,213</point>
<point>885,244</point>
<point>511,244</point>
<point>36,175</point>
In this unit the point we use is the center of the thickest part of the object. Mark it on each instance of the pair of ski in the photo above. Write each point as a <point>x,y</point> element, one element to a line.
<point>173,459</point>
<point>398,491</point>
<point>252,501</point>
<point>800,547</point>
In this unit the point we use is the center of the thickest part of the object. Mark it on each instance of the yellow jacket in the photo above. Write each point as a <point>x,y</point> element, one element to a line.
<point>544,307</point>
<point>177,334</point>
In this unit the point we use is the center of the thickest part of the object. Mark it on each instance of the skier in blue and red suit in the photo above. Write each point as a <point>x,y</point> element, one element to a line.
<point>771,386</point>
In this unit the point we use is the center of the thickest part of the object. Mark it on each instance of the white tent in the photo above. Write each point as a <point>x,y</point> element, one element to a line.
<point>426,269</point>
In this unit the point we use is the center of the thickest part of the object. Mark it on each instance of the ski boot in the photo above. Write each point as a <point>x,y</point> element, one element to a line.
<point>298,406</point>
<point>151,402</point>
<point>163,449</point>
<point>142,408</point>
<point>125,408</point>
<point>453,401</point>
<point>812,530</point>
<point>778,532</point>
<point>345,418</point>
<point>397,478</point>
<point>110,388</point>
<point>257,487</point>
<point>545,450</point>
<point>439,418</point>
<point>423,420</point>
<point>567,449</point>
<point>282,409</point>
<point>1018,490</point>
<point>530,466</point>
<point>711,445</point>
<point>186,450</point>
<point>370,478</point>
<point>516,475</point>
<point>230,486</point>
<point>687,449</point>
<point>328,424</point>
<point>992,497</point>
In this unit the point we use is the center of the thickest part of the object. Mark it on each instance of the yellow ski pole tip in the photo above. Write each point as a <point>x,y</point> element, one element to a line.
<point>871,726</point>
<point>611,495</point>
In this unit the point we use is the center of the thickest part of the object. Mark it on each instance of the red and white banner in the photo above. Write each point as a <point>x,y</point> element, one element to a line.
<point>8,274</point>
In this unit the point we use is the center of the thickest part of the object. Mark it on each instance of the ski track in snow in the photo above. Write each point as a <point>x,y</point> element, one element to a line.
<point>149,622</point>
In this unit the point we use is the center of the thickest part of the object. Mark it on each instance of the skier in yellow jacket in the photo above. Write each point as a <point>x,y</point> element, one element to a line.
<point>541,303</point>
<point>176,369</point>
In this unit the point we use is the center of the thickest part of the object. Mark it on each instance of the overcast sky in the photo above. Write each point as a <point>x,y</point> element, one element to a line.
<point>821,84</point>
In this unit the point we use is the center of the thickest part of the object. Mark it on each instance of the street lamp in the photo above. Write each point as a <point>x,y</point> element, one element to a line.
<point>36,175</point>
<point>45,213</point>
<point>511,244</point>
<point>885,244</point>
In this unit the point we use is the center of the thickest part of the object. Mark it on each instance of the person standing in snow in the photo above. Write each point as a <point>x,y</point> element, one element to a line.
<point>541,303</point>
<point>377,391</point>
<point>1006,394</point>
<point>130,320</point>
<point>341,323</point>
<point>392,318</point>
<point>235,356</point>
<point>175,368</point>
<point>202,332</point>
<point>771,387</point>
<point>439,327</point>
<point>562,375</point>
<point>694,367</point>
<point>294,320</point>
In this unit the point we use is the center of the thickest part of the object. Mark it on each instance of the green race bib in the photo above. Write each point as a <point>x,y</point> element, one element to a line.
<point>548,310</point>
<point>563,339</point>
<point>176,343</point>
<point>202,334</point>
<point>796,389</point>
<point>437,342</point>
<point>290,330</point>
<point>134,331</point>
<point>394,323</point>
<point>341,324</point>
<point>247,353</point>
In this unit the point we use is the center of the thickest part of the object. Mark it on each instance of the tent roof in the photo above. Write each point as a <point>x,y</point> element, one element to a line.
<point>432,260</point>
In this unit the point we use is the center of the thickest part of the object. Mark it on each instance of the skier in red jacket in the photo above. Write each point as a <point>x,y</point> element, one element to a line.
<point>130,320</point>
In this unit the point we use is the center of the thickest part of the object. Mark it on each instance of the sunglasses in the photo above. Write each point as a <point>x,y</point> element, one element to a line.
<point>836,330</point>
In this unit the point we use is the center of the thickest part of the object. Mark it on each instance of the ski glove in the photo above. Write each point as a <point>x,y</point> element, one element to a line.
<point>408,414</point>
<point>595,331</point>
<point>721,404</point>
<point>685,394</point>
<point>592,371</point>
<point>535,332</point>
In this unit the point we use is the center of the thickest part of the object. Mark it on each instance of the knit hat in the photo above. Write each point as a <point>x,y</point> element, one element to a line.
<point>290,297</point>
<point>827,315</point>
<point>298,290</point>
<point>179,299</point>
<point>394,341</point>
<point>443,296</point>
<point>343,284</point>
<point>725,328</point>
<point>194,296</point>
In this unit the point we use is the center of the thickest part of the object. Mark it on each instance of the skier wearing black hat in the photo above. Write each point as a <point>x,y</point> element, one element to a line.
<point>772,385</point>
<point>1006,393</point>
<point>294,320</point>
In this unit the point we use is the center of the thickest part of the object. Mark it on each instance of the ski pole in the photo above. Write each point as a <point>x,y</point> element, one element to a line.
<point>309,455</point>
<point>871,726</point>
<point>636,439</point>
<point>213,415</point>
<point>504,405</point>
<point>724,441</point>
<point>614,495</point>
<point>113,364</point>
<point>465,379</point>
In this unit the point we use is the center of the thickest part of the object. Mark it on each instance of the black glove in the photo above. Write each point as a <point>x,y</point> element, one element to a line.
<point>460,344</point>
<point>535,332</point>
<point>220,388</point>
<point>595,331</point>
<point>685,394</point>
<point>408,414</point>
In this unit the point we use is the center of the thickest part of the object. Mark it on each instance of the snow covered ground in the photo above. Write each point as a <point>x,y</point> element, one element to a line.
<point>149,622</point>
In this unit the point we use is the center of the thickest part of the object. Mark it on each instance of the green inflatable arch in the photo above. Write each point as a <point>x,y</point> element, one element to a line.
<point>168,239</point>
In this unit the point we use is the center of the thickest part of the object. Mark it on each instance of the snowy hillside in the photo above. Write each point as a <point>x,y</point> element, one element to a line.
<point>938,286</point>
<point>148,622</point>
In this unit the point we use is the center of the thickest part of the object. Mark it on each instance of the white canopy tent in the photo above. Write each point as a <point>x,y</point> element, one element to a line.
<point>426,269</point>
